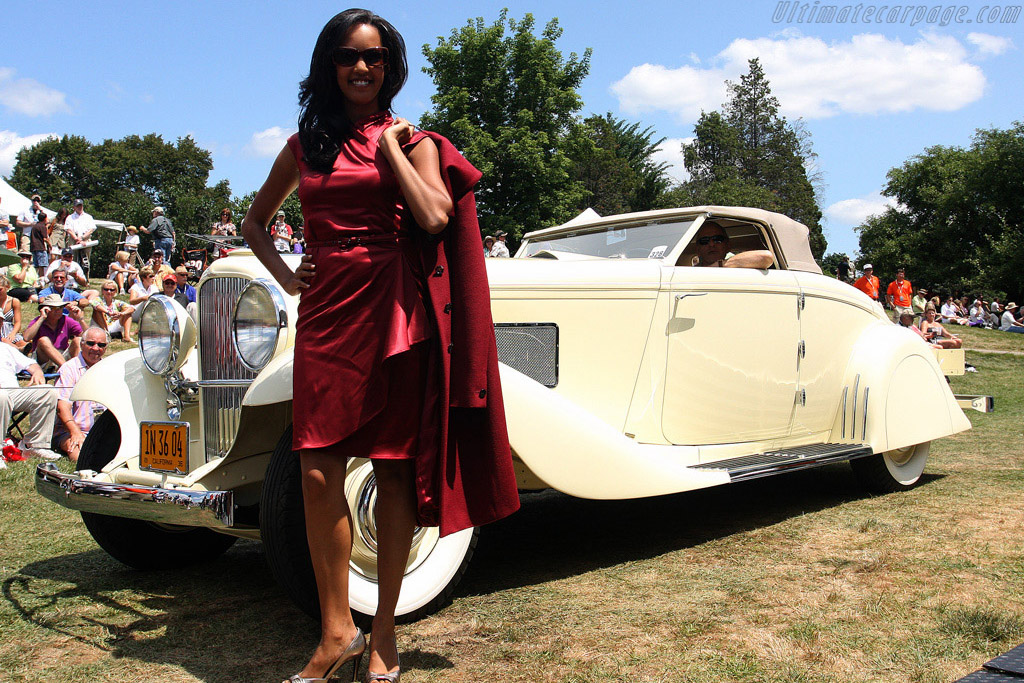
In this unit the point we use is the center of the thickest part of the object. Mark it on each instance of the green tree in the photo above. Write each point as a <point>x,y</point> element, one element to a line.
<point>750,155</point>
<point>507,99</point>
<point>959,225</point>
<point>613,159</point>
<point>123,180</point>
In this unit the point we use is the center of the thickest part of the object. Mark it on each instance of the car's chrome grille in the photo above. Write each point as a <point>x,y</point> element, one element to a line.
<point>218,361</point>
<point>530,348</point>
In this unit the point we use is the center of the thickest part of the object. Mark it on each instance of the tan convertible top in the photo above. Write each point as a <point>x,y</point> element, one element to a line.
<point>789,235</point>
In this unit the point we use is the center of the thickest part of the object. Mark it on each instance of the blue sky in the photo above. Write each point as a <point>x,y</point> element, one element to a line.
<point>872,93</point>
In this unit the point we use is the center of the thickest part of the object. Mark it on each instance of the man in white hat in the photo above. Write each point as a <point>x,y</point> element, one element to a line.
<point>55,336</point>
<point>868,283</point>
<point>1008,322</point>
<point>37,399</point>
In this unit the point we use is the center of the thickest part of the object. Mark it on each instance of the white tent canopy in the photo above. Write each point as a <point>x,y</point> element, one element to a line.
<point>13,203</point>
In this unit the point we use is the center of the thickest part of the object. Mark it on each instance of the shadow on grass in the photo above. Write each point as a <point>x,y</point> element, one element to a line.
<point>224,621</point>
<point>227,620</point>
<point>555,536</point>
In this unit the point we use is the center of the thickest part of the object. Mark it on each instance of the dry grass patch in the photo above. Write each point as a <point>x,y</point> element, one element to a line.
<point>803,578</point>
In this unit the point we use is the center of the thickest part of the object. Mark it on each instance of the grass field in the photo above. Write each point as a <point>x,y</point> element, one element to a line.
<point>801,578</point>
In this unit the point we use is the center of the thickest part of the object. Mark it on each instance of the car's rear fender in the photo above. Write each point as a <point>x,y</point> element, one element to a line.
<point>894,393</point>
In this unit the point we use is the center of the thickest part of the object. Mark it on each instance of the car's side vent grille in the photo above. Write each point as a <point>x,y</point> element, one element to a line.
<point>219,362</point>
<point>530,348</point>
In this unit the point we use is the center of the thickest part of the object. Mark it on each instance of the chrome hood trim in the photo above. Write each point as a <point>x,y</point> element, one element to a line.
<point>214,509</point>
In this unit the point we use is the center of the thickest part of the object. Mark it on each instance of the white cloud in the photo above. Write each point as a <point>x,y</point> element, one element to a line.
<point>988,44</point>
<point>29,97</point>
<point>267,143</point>
<point>684,91</point>
<point>11,143</point>
<point>671,152</point>
<point>853,212</point>
<point>868,74</point>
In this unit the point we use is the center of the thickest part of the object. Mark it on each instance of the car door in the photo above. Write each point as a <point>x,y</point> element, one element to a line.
<point>731,361</point>
<point>832,318</point>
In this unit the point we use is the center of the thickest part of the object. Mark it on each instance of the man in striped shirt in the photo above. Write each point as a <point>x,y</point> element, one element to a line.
<point>76,417</point>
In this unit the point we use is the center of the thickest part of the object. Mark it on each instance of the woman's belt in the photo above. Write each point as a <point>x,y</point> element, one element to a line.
<point>346,243</point>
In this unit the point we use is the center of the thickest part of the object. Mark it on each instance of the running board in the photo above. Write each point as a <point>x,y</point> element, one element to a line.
<point>786,460</point>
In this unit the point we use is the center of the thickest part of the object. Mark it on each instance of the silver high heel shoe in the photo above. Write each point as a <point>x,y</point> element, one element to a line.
<point>353,653</point>
<point>390,677</point>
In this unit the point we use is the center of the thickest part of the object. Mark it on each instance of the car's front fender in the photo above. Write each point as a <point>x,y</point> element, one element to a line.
<point>573,451</point>
<point>127,389</point>
<point>274,383</point>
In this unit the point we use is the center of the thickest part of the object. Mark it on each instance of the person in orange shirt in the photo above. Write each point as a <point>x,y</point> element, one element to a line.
<point>899,295</point>
<point>868,283</point>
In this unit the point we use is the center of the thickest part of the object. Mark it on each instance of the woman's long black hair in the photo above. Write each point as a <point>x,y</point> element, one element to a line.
<point>323,121</point>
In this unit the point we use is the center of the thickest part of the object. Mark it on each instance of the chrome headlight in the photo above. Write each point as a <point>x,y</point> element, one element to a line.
<point>166,335</point>
<point>256,325</point>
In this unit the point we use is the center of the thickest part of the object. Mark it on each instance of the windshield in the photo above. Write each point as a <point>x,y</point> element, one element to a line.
<point>642,240</point>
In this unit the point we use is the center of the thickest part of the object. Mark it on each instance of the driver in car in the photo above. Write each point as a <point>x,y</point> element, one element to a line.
<point>713,251</point>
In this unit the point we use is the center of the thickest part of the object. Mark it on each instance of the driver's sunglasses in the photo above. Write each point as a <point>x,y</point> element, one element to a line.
<point>708,239</point>
<point>349,56</point>
<point>102,345</point>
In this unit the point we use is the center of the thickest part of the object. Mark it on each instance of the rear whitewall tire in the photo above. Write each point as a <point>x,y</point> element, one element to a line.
<point>896,470</point>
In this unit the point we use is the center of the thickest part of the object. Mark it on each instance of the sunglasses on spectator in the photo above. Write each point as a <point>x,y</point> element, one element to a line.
<point>102,345</point>
<point>349,56</point>
<point>708,239</point>
<point>108,289</point>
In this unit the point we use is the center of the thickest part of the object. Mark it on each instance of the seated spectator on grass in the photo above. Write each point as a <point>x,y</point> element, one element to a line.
<point>122,272</point>
<point>37,399</point>
<point>978,316</point>
<point>76,276</point>
<point>113,315</point>
<point>58,286</point>
<point>907,320</point>
<point>181,273</point>
<point>23,277</point>
<point>142,290</point>
<point>10,315</point>
<point>55,337</point>
<point>935,333</point>
<point>918,303</point>
<point>170,290</point>
<point>76,417</point>
<point>159,265</point>
<point>950,313</point>
<point>1009,321</point>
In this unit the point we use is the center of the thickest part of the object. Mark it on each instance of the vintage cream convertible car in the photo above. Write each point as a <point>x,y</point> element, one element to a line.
<point>627,372</point>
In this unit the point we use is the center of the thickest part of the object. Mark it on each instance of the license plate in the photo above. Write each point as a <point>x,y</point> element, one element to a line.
<point>164,447</point>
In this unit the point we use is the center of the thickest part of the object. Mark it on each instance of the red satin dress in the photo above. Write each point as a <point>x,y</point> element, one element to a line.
<point>360,368</point>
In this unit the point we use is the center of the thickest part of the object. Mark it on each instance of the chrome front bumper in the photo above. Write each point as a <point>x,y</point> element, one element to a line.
<point>168,506</point>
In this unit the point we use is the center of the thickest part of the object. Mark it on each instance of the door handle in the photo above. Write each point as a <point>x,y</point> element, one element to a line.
<point>679,297</point>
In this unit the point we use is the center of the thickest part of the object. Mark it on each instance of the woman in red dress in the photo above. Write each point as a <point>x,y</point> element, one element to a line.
<point>360,367</point>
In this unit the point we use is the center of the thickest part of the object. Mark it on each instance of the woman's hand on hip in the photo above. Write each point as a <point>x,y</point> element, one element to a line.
<point>299,279</point>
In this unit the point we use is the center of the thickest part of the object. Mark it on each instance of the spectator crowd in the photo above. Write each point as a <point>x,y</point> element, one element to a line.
<point>914,308</point>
